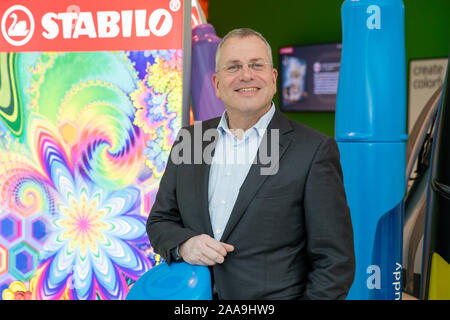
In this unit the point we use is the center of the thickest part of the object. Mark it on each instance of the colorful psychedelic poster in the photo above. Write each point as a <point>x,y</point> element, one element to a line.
<point>90,104</point>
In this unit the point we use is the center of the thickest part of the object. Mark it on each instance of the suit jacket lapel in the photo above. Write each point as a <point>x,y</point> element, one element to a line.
<point>255,179</point>
<point>201,173</point>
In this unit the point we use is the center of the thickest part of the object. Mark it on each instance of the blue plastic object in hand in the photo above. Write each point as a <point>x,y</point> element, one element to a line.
<point>179,281</point>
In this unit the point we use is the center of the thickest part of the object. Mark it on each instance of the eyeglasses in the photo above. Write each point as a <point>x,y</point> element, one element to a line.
<point>257,66</point>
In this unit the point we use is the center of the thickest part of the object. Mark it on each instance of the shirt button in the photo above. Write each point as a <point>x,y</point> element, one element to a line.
<point>223,202</point>
<point>218,231</point>
<point>228,173</point>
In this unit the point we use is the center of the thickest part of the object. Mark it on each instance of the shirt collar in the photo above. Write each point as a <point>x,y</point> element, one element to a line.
<point>260,126</point>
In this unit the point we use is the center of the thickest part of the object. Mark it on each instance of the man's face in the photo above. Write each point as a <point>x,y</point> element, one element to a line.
<point>245,91</point>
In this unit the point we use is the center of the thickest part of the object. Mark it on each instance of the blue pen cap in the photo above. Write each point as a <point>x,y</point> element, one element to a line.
<point>371,100</point>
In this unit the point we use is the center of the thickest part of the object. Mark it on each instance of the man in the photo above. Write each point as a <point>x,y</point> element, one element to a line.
<point>283,233</point>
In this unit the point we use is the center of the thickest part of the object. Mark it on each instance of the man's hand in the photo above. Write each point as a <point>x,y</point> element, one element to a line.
<point>204,251</point>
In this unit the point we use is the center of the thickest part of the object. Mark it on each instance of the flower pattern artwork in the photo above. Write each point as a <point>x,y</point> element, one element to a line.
<point>84,141</point>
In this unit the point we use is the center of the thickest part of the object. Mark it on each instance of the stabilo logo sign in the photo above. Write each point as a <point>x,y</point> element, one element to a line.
<point>91,25</point>
<point>19,31</point>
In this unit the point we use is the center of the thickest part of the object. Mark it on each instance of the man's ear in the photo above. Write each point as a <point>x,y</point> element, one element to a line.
<point>215,81</point>
<point>274,77</point>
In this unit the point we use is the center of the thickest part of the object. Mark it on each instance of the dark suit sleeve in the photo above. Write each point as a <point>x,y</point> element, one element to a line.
<point>328,226</point>
<point>165,227</point>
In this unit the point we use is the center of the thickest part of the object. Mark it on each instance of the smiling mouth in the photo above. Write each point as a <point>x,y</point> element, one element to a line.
<point>247,89</point>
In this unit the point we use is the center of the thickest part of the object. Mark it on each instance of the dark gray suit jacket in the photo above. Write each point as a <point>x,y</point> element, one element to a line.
<point>291,231</point>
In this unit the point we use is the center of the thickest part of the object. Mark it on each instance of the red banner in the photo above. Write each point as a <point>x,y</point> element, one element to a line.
<point>90,25</point>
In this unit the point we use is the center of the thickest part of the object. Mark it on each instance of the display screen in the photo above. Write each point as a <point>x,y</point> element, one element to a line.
<point>309,77</point>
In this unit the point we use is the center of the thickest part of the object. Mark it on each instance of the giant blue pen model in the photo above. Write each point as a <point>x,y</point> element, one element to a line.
<point>370,131</point>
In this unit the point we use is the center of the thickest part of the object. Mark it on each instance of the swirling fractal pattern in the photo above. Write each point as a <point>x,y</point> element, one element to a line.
<point>84,140</point>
